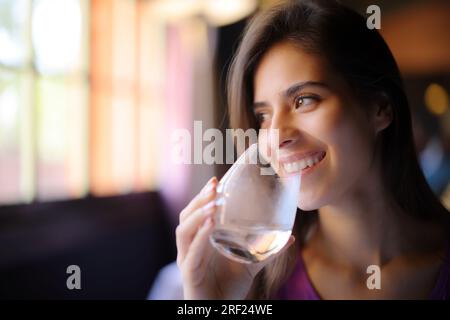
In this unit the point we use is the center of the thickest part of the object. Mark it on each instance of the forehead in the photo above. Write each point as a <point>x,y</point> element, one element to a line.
<point>284,64</point>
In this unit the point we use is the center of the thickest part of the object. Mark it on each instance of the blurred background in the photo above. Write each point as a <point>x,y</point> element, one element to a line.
<point>90,92</point>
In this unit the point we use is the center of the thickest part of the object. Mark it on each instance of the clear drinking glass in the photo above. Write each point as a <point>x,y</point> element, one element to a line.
<point>257,211</point>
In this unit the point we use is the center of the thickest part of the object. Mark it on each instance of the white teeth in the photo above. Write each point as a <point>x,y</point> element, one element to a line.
<point>302,164</point>
<point>289,167</point>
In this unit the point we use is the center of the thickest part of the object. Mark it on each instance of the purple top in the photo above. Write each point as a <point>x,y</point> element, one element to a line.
<point>299,286</point>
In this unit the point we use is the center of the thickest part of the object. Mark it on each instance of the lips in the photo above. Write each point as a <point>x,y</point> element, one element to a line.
<point>301,162</point>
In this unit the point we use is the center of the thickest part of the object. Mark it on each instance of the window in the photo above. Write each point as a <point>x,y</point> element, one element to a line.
<point>81,96</point>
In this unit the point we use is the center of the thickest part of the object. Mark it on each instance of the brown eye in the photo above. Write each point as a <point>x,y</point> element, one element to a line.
<point>261,117</point>
<point>304,101</point>
<point>298,102</point>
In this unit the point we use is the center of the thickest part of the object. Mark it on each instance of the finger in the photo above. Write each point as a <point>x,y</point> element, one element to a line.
<point>198,250</point>
<point>205,196</point>
<point>211,180</point>
<point>199,201</point>
<point>186,231</point>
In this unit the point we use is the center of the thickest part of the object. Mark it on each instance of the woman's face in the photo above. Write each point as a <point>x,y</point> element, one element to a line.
<point>324,134</point>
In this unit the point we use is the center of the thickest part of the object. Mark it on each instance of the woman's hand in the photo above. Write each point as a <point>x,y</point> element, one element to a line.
<point>206,273</point>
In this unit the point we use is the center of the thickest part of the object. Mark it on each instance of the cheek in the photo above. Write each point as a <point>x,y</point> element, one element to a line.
<point>344,129</point>
<point>350,143</point>
<point>345,136</point>
<point>322,129</point>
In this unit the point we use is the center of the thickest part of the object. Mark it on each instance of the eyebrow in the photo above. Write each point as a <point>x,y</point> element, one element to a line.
<point>289,92</point>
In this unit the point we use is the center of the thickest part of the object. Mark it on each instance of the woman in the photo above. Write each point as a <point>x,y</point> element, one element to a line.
<point>312,70</point>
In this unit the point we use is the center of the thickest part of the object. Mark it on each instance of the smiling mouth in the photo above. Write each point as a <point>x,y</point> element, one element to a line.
<point>304,164</point>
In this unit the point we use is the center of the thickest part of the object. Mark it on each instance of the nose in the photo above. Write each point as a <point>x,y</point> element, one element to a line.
<point>283,126</point>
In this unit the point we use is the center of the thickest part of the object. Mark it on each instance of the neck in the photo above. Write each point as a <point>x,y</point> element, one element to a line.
<point>366,227</point>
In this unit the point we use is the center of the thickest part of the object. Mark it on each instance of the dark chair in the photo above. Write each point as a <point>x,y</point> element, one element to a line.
<point>119,243</point>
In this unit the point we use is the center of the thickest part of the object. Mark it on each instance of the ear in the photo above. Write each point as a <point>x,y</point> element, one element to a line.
<point>383,115</point>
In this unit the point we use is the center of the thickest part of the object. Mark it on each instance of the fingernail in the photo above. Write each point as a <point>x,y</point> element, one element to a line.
<point>209,189</point>
<point>211,180</point>
<point>206,185</point>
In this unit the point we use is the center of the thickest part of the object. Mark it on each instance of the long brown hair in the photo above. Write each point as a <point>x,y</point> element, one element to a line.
<point>363,59</point>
